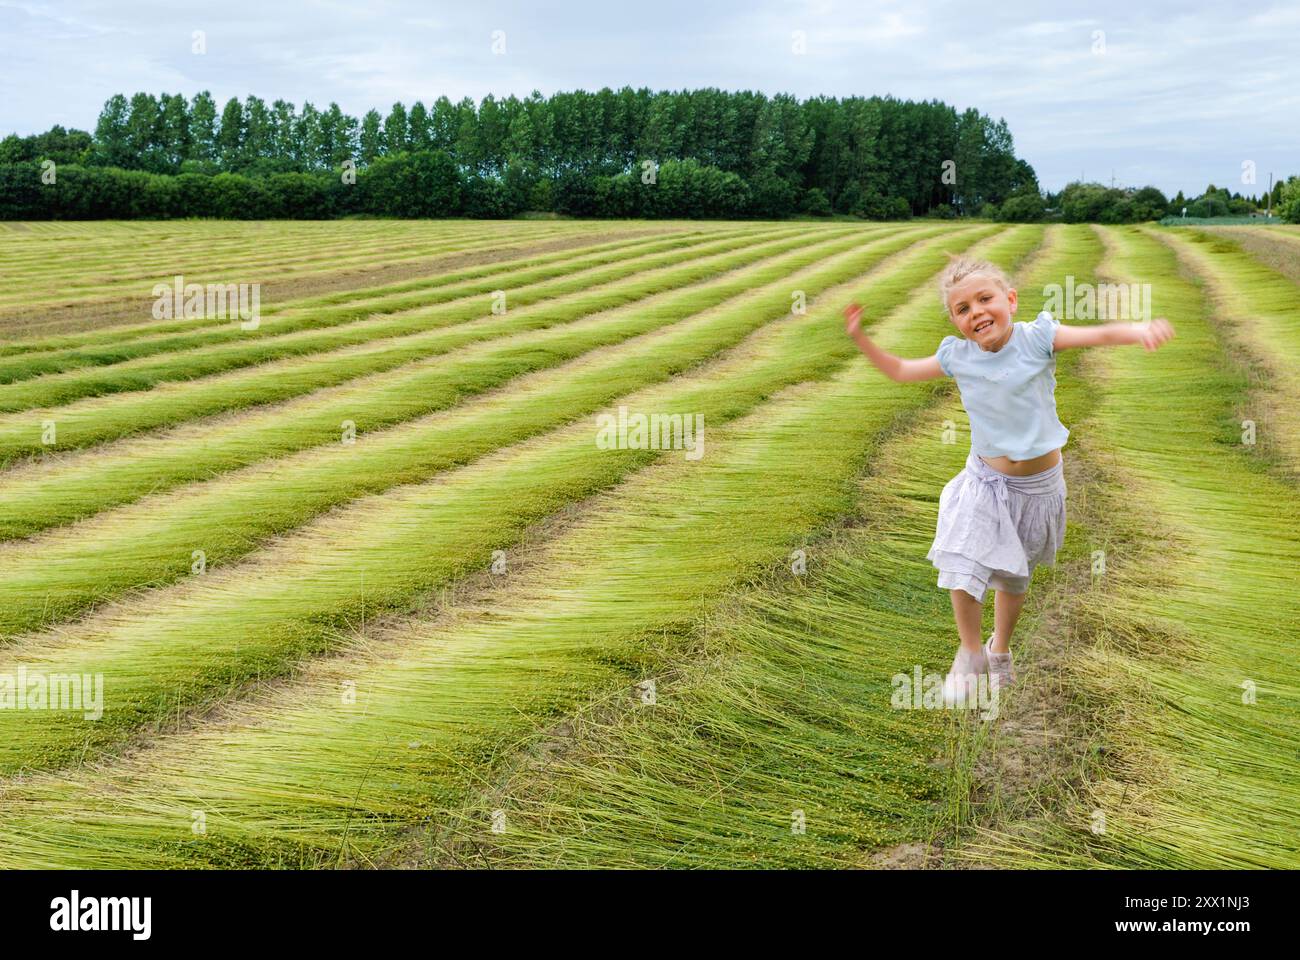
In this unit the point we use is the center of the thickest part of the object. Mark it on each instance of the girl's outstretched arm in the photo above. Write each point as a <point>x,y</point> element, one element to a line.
<point>895,368</point>
<point>1150,334</point>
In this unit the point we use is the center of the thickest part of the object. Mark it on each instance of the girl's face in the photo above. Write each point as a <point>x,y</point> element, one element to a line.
<point>982,310</point>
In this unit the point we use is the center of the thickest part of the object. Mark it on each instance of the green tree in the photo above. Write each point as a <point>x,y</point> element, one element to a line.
<point>1083,202</point>
<point>336,139</point>
<point>444,126</point>
<point>467,149</point>
<point>1150,204</point>
<point>259,130</point>
<point>203,127</point>
<point>1027,206</point>
<point>110,132</point>
<point>968,191</point>
<point>282,133</point>
<point>419,137</point>
<point>495,118</point>
<point>541,126</point>
<point>306,138</point>
<point>143,140</point>
<point>371,142</point>
<point>396,130</point>
<point>521,142</point>
<point>1276,195</point>
<point>1288,205</point>
<point>174,131</point>
<point>230,136</point>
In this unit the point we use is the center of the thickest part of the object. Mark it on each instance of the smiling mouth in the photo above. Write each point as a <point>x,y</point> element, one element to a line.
<point>982,326</point>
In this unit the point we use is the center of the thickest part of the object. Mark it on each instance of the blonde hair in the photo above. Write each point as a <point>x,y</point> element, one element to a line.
<point>961,267</point>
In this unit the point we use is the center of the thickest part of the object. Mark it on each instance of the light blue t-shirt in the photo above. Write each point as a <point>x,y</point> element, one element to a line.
<point>1009,394</point>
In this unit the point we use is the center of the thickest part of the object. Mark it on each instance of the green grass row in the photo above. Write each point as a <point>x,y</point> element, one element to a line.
<point>116,283</point>
<point>153,541</point>
<point>56,491</point>
<point>114,273</point>
<point>97,347</point>
<point>99,419</point>
<point>451,306</point>
<point>137,256</point>
<point>1260,306</point>
<point>109,245</point>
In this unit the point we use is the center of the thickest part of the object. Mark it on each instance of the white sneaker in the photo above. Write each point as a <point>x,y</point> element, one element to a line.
<point>1001,673</point>
<point>961,685</point>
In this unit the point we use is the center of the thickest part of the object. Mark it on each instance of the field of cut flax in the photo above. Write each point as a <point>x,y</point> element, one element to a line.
<point>566,544</point>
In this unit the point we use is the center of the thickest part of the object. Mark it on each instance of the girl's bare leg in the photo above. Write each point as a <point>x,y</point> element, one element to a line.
<point>969,614</point>
<point>1006,611</point>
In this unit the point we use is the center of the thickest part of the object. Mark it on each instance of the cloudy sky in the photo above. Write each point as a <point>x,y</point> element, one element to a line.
<point>1173,94</point>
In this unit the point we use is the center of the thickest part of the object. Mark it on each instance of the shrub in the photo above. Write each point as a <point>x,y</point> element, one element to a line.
<point>849,199</point>
<point>300,195</point>
<point>575,194</point>
<point>1025,207</point>
<point>21,196</point>
<point>896,208</point>
<point>815,203</point>
<point>771,197</point>
<point>424,184</point>
<point>487,198</point>
<point>1150,204</point>
<point>1288,207</point>
<point>236,197</point>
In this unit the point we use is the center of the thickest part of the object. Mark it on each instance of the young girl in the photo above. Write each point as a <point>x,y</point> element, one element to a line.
<point>1004,513</point>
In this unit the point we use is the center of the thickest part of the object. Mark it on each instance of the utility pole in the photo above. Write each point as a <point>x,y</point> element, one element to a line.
<point>1268,210</point>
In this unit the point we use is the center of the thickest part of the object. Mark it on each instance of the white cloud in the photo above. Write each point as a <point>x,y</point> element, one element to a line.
<point>1180,95</point>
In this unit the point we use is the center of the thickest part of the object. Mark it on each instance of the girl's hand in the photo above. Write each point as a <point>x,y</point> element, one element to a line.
<point>853,320</point>
<point>1154,332</point>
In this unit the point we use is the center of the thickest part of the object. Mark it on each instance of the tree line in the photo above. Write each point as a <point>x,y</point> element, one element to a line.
<point>743,153</point>
<point>624,153</point>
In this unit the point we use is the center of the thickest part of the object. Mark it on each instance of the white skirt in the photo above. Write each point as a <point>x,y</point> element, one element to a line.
<point>993,529</point>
